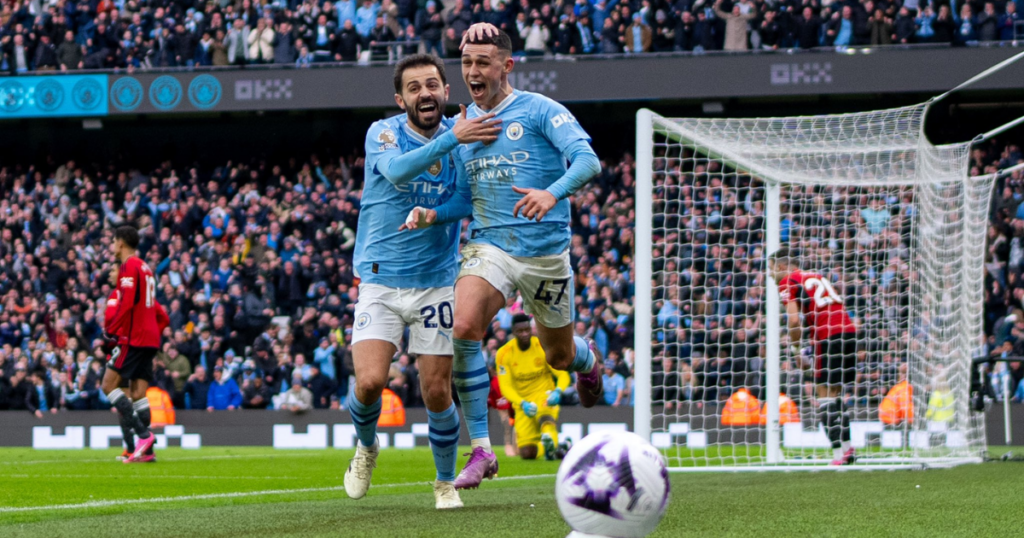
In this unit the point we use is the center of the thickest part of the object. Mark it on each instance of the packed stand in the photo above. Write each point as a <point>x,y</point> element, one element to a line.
<point>37,35</point>
<point>254,266</point>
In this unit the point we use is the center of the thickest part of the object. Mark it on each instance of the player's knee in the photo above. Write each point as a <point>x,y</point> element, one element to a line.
<point>436,395</point>
<point>560,357</point>
<point>368,388</point>
<point>468,329</point>
<point>528,452</point>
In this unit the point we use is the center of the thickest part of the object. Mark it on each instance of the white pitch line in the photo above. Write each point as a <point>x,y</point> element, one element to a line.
<point>149,477</point>
<point>233,495</point>
<point>191,458</point>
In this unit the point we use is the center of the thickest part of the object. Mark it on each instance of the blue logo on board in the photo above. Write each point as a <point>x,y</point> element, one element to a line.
<point>49,95</point>
<point>204,92</point>
<point>165,93</point>
<point>12,95</point>
<point>87,94</point>
<point>126,93</point>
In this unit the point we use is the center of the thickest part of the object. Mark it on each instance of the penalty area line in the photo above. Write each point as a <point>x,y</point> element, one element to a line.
<point>232,495</point>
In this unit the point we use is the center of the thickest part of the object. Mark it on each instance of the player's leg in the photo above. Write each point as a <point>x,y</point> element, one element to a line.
<point>112,380</point>
<point>483,284</point>
<point>127,432</point>
<point>429,315</point>
<point>836,419</point>
<point>443,425</point>
<point>140,403</point>
<point>528,436</point>
<point>549,431</point>
<point>546,284</point>
<point>141,376</point>
<point>375,340</point>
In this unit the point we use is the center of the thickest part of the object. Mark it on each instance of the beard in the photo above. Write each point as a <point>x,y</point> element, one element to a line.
<point>419,121</point>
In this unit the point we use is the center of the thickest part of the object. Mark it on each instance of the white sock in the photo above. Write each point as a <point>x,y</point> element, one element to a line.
<point>483,442</point>
<point>115,395</point>
<point>837,453</point>
<point>844,446</point>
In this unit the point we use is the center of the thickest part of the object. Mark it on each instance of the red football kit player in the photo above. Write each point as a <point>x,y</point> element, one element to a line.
<point>135,324</point>
<point>834,336</point>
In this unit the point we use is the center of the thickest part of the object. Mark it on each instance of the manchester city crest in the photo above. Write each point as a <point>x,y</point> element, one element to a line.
<point>12,95</point>
<point>126,94</point>
<point>204,92</point>
<point>363,321</point>
<point>514,131</point>
<point>87,94</point>
<point>48,95</point>
<point>165,93</point>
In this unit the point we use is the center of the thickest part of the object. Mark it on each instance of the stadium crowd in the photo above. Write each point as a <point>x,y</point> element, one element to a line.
<point>254,265</point>
<point>40,35</point>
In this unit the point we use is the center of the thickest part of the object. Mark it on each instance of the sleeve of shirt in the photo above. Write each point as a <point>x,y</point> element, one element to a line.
<point>562,379</point>
<point>565,133</point>
<point>786,292</point>
<point>386,158</point>
<point>460,205</point>
<point>508,389</point>
<point>127,284</point>
<point>162,319</point>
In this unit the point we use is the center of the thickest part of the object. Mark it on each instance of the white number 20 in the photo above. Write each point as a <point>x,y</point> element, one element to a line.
<point>822,291</point>
<point>150,291</point>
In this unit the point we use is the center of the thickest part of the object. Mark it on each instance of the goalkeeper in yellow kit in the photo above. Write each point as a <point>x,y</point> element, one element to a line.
<point>533,388</point>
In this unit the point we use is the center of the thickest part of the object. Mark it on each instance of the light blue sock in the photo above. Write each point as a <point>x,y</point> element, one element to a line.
<point>444,441</point>
<point>584,359</point>
<point>473,384</point>
<point>364,417</point>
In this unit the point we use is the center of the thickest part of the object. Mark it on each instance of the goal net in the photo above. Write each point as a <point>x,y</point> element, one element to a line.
<point>896,230</point>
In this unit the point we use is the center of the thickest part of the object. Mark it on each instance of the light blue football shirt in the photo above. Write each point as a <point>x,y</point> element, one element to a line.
<point>529,153</point>
<point>395,182</point>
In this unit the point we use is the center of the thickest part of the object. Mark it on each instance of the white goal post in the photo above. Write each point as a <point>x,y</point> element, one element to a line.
<point>895,227</point>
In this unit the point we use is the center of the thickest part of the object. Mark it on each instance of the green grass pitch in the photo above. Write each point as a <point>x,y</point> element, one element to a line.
<point>233,492</point>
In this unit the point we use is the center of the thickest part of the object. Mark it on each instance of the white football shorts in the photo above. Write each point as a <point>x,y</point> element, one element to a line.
<point>545,282</point>
<point>383,313</point>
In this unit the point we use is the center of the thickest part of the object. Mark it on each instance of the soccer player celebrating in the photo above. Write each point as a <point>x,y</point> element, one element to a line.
<point>134,328</point>
<point>528,383</point>
<point>405,279</point>
<point>810,296</point>
<point>516,190</point>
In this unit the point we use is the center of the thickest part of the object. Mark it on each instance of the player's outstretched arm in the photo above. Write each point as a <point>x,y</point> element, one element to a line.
<point>400,168</point>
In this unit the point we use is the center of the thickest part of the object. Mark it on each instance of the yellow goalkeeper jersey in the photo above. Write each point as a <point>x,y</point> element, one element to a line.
<point>526,375</point>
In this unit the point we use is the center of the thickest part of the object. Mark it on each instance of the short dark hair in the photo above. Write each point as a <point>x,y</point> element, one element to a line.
<point>520,318</point>
<point>783,256</point>
<point>501,40</point>
<point>128,234</point>
<point>417,60</point>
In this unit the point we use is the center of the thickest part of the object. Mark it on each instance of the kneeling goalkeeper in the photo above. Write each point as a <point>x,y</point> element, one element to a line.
<point>529,384</point>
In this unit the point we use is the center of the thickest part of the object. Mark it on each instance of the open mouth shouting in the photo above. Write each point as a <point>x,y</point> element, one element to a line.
<point>477,89</point>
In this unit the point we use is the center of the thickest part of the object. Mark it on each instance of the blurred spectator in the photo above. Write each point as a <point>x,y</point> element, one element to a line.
<point>297,399</point>
<point>223,393</point>
<point>614,385</point>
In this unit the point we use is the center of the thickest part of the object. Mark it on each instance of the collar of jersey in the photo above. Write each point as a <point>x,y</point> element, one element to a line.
<point>501,106</point>
<point>420,138</point>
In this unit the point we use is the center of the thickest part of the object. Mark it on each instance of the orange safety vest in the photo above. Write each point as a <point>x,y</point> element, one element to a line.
<point>161,410</point>
<point>742,409</point>
<point>788,411</point>
<point>392,410</point>
<point>898,405</point>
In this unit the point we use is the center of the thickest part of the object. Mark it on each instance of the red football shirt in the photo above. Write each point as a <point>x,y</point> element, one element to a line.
<point>137,316</point>
<point>822,307</point>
